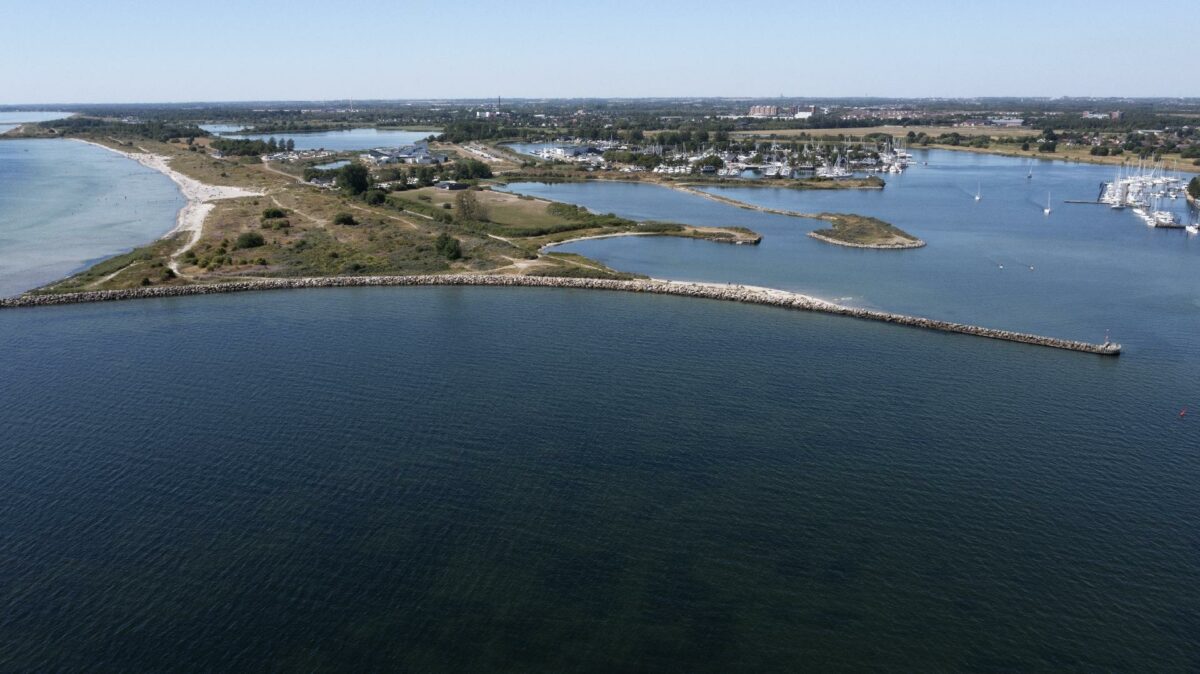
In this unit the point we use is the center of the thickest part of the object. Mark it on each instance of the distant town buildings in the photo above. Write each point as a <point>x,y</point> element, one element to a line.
<point>408,154</point>
<point>777,111</point>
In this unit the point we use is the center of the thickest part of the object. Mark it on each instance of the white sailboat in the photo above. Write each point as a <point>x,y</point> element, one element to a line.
<point>978,191</point>
<point>1030,176</point>
<point>1046,210</point>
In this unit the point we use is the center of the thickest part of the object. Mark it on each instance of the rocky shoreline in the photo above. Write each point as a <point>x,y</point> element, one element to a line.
<point>874,246</point>
<point>717,291</point>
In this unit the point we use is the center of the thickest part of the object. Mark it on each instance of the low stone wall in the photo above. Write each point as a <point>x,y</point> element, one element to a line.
<point>732,293</point>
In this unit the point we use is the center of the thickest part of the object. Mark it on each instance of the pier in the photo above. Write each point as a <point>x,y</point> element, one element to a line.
<point>717,291</point>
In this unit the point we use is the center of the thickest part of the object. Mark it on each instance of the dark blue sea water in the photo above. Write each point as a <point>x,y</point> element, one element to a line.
<point>466,479</point>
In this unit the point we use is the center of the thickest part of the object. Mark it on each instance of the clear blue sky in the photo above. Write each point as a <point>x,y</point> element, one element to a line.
<point>219,50</point>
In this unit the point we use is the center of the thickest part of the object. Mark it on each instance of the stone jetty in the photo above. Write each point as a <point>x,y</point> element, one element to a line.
<point>716,291</point>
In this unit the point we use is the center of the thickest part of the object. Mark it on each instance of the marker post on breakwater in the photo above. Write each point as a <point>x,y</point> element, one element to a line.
<point>745,294</point>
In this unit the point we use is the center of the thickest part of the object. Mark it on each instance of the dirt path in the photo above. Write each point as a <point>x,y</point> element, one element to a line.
<point>285,174</point>
<point>106,279</point>
<point>385,215</point>
<point>309,216</point>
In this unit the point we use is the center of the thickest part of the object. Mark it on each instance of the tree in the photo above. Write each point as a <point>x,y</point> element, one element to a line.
<point>1194,187</point>
<point>344,219</point>
<point>354,178</point>
<point>447,246</point>
<point>272,144</point>
<point>469,208</point>
<point>1049,135</point>
<point>291,144</point>
<point>1048,146</point>
<point>470,169</point>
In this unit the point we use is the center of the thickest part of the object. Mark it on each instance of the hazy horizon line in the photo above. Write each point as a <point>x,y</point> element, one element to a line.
<point>474,99</point>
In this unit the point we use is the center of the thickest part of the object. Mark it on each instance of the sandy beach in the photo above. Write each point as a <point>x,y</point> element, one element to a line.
<point>199,196</point>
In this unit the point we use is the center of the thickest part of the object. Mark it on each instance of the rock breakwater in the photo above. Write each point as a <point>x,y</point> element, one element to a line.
<point>716,291</point>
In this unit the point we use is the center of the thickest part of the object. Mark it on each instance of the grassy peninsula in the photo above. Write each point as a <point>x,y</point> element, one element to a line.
<point>859,231</point>
<point>255,216</point>
<point>291,228</point>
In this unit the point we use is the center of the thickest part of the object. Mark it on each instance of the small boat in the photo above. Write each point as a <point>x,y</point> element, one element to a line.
<point>1046,210</point>
<point>1030,176</point>
<point>978,192</point>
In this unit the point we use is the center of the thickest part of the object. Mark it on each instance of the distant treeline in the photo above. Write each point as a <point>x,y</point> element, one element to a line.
<point>252,148</point>
<point>154,130</point>
<point>460,132</point>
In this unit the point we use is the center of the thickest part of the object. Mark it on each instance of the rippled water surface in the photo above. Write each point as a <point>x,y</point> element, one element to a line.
<point>532,479</point>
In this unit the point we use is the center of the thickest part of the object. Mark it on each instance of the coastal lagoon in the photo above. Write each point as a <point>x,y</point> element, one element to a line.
<point>465,479</point>
<point>65,205</point>
<point>337,141</point>
<point>999,262</point>
<point>11,119</point>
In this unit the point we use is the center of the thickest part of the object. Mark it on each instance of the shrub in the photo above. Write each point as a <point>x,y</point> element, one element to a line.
<point>344,219</point>
<point>448,247</point>
<point>274,213</point>
<point>374,197</point>
<point>248,240</point>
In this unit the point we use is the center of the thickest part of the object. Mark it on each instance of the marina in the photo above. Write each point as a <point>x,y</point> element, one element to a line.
<point>1143,190</point>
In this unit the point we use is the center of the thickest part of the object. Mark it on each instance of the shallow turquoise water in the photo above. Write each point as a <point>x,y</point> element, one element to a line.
<point>65,205</point>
